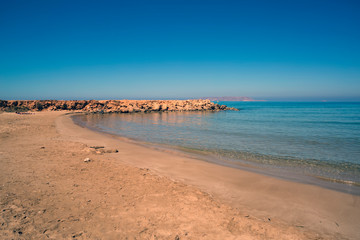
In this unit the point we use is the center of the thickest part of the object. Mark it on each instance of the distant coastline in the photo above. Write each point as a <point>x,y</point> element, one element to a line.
<point>233,99</point>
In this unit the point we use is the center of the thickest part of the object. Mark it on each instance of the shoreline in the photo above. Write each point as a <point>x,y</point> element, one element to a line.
<point>145,193</point>
<point>230,184</point>
<point>287,173</point>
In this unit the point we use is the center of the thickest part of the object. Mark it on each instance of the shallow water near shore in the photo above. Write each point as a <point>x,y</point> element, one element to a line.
<point>316,143</point>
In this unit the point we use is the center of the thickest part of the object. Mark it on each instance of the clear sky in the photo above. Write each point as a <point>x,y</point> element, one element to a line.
<point>280,50</point>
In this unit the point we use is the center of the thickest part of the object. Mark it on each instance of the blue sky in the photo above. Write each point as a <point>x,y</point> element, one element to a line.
<point>280,50</point>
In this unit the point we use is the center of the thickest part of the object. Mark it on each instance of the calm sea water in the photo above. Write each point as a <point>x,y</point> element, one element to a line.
<point>310,142</point>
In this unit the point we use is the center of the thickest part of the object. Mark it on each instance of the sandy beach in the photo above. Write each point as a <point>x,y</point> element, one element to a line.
<point>130,191</point>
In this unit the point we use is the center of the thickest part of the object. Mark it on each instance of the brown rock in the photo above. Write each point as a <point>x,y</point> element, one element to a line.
<point>109,106</point>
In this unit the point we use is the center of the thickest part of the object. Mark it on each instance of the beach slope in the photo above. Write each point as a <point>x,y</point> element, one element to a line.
<point>126,190</point>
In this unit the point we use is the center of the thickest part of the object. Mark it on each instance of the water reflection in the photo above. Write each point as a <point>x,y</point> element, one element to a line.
<point>119,121</point>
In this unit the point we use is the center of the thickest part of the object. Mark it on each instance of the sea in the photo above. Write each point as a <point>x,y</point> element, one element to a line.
<point>309,142</point>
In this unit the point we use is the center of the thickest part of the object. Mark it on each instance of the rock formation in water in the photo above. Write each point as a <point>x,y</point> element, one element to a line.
<point>112,106</point>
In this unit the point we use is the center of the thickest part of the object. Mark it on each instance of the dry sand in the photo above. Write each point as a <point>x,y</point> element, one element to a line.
<point>47,191</point>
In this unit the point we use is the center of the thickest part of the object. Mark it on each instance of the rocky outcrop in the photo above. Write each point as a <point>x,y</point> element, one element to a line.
<point>112,106</point>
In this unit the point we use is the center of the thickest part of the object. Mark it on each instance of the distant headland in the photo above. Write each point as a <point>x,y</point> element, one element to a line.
<point>233,99</point>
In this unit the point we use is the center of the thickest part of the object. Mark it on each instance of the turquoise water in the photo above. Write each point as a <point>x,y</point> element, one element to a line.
<point>309,142</point>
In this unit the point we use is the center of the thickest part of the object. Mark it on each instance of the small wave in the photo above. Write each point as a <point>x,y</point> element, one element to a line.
<point>347,182</point>
<point>332,122</point>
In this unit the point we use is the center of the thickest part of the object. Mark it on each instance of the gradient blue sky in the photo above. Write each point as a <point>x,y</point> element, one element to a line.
<point>277,50</point>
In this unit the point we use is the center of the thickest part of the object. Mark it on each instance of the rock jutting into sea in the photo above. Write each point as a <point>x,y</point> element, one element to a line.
<point>112,106</point>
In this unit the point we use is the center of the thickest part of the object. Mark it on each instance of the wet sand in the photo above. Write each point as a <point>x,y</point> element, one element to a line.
<point>47,191</point>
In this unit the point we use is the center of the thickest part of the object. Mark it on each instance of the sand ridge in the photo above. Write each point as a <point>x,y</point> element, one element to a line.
<point>47,191</point>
